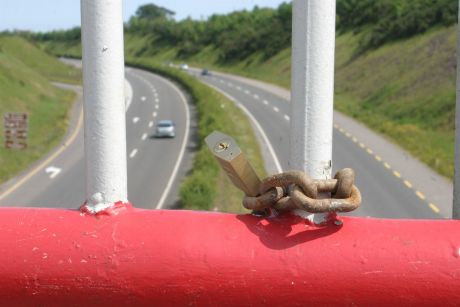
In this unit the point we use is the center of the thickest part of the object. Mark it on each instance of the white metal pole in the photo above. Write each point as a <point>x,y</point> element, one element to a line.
<point>313,49</point>
<point>103,86</point>
<point>456,207</point>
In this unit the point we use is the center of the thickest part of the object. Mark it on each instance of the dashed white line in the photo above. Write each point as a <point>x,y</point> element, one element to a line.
<point>154,114</point>
<point>265,102</point>
<point>157,100</point>
<point>286,117</point>
<point>150,124</point>
<point>256,96</point>
<point>238,88</point>
<point>157,106</point>
<point>133,153</point>
<point>143,98</point>
<point>247,92</point>
<point>144,136</point>
<point>135,119</point>
<point>276,109</point>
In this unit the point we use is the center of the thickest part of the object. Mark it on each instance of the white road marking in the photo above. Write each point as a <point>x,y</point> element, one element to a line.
<point>266,102</point>
<point>144,136</point>
<point>135,119</point>
<point>238,88</point>
<point>133,153</point>
<point>157,100</point>
<point>256,96</point>
<point>286,117</point>
<point>279,169</point>
<point>276,109</point>
<point>157,106</point>
<point>143,98</point>
<point>247,92</point>
<point>151,124</point>
<point>154,114</point>
<point>53,171</point>
<point>182,149</point>
<point>221,81</point>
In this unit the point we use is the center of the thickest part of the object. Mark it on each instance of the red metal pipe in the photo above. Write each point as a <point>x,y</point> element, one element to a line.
<point>54,257</point>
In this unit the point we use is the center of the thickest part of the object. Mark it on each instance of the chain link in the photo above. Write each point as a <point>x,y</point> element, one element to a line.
<point>296,190</point>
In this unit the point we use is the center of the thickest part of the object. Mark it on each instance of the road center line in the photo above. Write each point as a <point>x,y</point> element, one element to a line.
<point>144,136</point>
<point>133,153</point>
<point>150,124</point>
<point>276,109</point>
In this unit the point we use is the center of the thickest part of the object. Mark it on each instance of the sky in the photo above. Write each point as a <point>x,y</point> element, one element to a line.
<point>47,15</point>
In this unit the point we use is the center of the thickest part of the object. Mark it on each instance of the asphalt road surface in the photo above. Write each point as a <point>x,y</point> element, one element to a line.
<point>153,164</point>
<point>386,193</point>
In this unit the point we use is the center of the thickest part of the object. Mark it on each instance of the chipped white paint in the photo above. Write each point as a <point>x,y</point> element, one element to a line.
<point>312,89</point>
<point>53,171</point>
<point>456,205</point>
<point>103,94</point>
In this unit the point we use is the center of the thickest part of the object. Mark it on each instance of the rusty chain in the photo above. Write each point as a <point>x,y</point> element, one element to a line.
<point>296,190</point>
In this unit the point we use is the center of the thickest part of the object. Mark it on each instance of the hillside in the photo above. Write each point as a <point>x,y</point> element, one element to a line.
<point>25,76</point>
<point>395,61</point>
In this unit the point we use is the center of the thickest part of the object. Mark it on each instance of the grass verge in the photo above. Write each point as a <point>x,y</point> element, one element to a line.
<point>207,186</point>
<point>25,76</point>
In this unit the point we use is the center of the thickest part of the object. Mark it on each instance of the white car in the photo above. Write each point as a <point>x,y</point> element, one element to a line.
<point>183,66</point>
<point>165,128</point>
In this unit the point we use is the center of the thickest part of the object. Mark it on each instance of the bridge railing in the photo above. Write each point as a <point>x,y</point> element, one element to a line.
<point>112,254</point>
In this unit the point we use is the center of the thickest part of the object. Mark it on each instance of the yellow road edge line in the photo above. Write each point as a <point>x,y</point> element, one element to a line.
<point>397,174</point>
<point>369,151</point>
<point>408,184</point>
<point>378,158</point>
<point>434,207</point>
<point>44,163</point>
<point>420,195</point>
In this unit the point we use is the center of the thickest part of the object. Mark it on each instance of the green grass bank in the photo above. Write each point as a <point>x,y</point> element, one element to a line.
<point>26,73</point>
<point>404,89</point>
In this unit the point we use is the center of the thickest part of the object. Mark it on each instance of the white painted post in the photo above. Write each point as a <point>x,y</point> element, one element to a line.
<point>313,49</point>
<point>103,94</point>
<point>456,205</point>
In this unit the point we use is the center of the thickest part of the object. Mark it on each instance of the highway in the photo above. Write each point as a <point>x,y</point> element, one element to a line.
<point>386,192</point>
<point>154,165</point>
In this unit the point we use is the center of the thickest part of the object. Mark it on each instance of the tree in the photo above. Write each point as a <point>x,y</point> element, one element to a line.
<point>152,11</point>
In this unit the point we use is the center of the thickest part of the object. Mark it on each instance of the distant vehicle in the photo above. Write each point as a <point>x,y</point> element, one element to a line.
<point>183,66</point>
<point>205,72</point>
<point>165,128</point>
